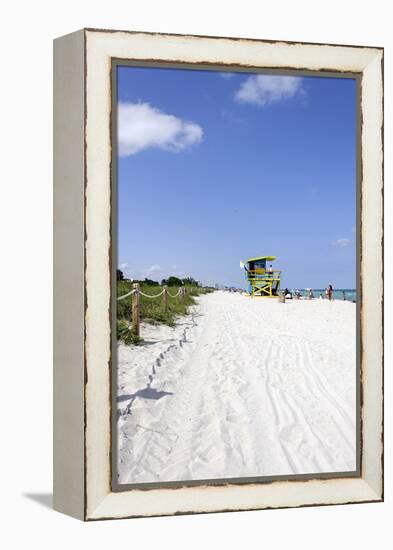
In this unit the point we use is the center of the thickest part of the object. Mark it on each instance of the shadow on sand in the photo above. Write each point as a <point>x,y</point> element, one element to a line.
<point>145,393</point>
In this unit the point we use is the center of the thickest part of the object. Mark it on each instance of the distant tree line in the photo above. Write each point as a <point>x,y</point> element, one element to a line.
<point>170,281</point>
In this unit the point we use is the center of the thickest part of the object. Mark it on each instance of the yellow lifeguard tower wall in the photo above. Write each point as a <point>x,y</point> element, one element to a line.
<point>264,281</point>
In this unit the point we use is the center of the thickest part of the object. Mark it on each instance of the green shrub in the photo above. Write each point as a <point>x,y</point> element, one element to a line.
<point>124,333</point>
<point>152,310</point>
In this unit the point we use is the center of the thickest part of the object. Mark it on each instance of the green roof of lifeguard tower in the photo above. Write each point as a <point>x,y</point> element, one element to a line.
<point>268,258</point>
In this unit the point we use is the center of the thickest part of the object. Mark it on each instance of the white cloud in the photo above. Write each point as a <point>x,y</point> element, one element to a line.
<point>141,126</point>
<point>267,89</point>
<point>342,242</point>
<point>226,75</point>
<point>153,269</point>
<point>123,265</point>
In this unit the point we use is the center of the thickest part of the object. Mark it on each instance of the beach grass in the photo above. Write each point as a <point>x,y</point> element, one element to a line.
<point>152,310</point>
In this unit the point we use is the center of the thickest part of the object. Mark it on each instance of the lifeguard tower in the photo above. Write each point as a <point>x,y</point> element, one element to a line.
<point>263,280</point>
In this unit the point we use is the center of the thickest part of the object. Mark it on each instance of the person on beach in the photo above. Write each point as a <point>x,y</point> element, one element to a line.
<point>344,296</point>
<point>287,294</point>
<point>321,297</point>
<point>330,292</point>
<point>270,271</point>
<point>310,294</point>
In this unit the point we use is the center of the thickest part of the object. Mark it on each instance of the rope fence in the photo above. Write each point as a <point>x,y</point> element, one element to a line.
<point>126,295</point>
<point>175,295</point>
<point>136,293</point>
<point>150,296</point>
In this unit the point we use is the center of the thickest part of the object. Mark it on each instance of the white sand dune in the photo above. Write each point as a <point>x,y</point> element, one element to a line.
<point>241,388</point>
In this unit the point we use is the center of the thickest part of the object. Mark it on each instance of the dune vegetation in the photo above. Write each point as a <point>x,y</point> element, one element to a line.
<point>153,310</point>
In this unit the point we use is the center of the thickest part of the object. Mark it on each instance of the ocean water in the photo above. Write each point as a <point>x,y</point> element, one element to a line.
<point>350,293</point>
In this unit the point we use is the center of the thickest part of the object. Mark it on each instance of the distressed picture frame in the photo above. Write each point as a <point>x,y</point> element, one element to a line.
<point>83,256</point>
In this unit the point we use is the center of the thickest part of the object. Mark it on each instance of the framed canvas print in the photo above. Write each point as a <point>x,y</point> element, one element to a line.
<point>218,274</point>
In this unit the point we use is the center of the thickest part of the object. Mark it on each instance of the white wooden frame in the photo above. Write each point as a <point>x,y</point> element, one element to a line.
<point>82,384</point>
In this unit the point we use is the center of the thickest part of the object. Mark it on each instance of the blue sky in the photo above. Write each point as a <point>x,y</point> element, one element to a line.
<point>216,167</point>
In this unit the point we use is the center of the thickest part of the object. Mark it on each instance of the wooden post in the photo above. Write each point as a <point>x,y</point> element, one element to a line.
<point>165,298</point>
<point>135,310</point>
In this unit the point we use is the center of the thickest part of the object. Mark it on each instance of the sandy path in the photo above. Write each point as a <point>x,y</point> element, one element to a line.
<point>241,388</point>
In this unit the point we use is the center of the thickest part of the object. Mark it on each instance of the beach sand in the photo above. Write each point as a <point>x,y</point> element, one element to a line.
<point>240,388</point>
